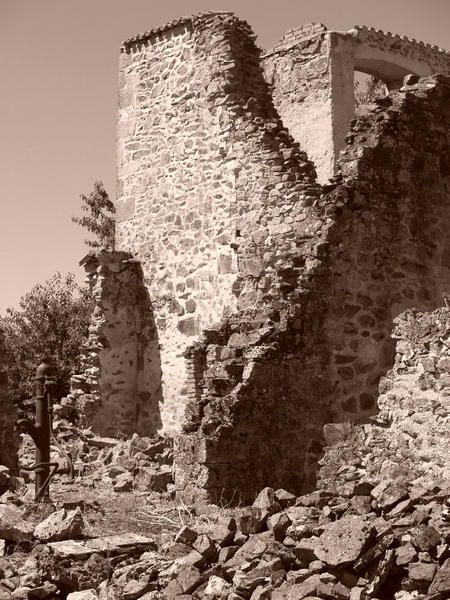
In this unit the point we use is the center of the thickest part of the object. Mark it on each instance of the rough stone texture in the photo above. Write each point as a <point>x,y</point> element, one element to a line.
<point>201,152</point>
<point>272,298</point>
<point>9,438</point>
<point>119,390</point>
<point>311,336</point>
<point>61,525</point>
<point>411,437</point>
<point>441,583</point>
<point>13,526</point>
<point>311,71</point>
<point>343,541</point>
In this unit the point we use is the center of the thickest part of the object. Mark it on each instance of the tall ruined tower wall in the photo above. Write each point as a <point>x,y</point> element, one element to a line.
<point>370,246</point>
<point>176,184</point>
<point>271,297</point>
<point>201,149</point>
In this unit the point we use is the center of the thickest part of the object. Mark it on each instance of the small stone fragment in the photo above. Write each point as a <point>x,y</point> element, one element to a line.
<point>61,525</point>
<point>13,528</point>
<point>388,494</point>
<point>343,541</point>
<point>441,582</point>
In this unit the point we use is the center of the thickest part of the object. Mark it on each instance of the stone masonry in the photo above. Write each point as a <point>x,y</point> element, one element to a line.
<point>360,258</point>
<point>119,390</point>
<point>267,298</point>
<point>311,72</point>
<point>9,437</point>
<point>200,147</point>
<point>409,442</point>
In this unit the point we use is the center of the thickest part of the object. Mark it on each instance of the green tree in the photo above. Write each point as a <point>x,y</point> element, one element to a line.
<point>51,324</point>
<point>100,218</point>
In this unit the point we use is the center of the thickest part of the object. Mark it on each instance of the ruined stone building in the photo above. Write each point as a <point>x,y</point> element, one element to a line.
<point>251,298</point>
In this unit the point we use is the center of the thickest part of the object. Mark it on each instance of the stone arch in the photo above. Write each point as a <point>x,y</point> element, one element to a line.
<point>312,70</point>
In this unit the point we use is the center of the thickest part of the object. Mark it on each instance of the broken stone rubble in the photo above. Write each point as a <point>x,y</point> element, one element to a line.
<point>328,550</point>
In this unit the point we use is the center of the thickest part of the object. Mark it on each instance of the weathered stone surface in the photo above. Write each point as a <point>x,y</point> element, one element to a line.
<point>119,388</point>
<point>216,588</point>
<point>111,544</point>
<point>266,501</point>
<point>343,542</point>
<point>84,595</point>
<point>260,292</point>
<point>134,589</point>
<point>123,482</point>
<point>387,494</point>
<point>43,591</point>
<point>353,348</point>
<point>61,525</point>
<point>13,527</point>
<point>187,581</point>
<point>278,524</point>
<point>426,539</point>
<point>441,582</point>
<point>422,572</point>
<point>154,479</point>
<point>409,440</point>
<point>186,535</point>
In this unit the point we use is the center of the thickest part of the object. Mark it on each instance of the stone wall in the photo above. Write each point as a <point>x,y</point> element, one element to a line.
<point>298,70</point>
<point>311,335</point>
<point>409,440</point>
<point>201,149</point>
<point>8,436</point>
<point>272,297</point>
<point>119,390</point>
<point>311,72</point>
<point>389,249</point>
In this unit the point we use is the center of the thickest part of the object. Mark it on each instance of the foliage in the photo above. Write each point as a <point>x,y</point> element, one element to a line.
<point>100,218</point>
<point>50,324</point>
<point>367,92</point>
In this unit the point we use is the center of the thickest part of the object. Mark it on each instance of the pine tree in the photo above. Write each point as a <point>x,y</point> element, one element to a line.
<point>100,219</point>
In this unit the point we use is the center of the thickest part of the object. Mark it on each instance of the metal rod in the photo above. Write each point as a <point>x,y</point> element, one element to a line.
<point>41,432</point>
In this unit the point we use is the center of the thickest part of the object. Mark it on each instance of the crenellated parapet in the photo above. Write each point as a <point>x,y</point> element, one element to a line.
<point>437,59</point>
<point>311,71</point>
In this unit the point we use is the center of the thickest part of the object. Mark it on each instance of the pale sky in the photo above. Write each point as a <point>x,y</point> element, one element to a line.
<point>59,66</point>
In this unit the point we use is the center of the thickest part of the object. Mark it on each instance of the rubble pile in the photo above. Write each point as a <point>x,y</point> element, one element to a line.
<point>377,541</point>
<point>376,528</point>
<point>140,463</point>
<point>409,439</point>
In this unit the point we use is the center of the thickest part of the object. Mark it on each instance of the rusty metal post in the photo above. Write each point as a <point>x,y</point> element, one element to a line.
<point>44,385</point>
<point>40,430</point>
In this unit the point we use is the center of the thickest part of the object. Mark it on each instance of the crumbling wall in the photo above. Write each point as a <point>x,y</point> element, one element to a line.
<point>119,390</point>
<point>273,297</point>
<point>311,72</point>
<point>389,249</point>
<point>202,151</point>
<point>409,440</point>
<point>314,321</point>
<point>8,415</point>
<point>299,72</point>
